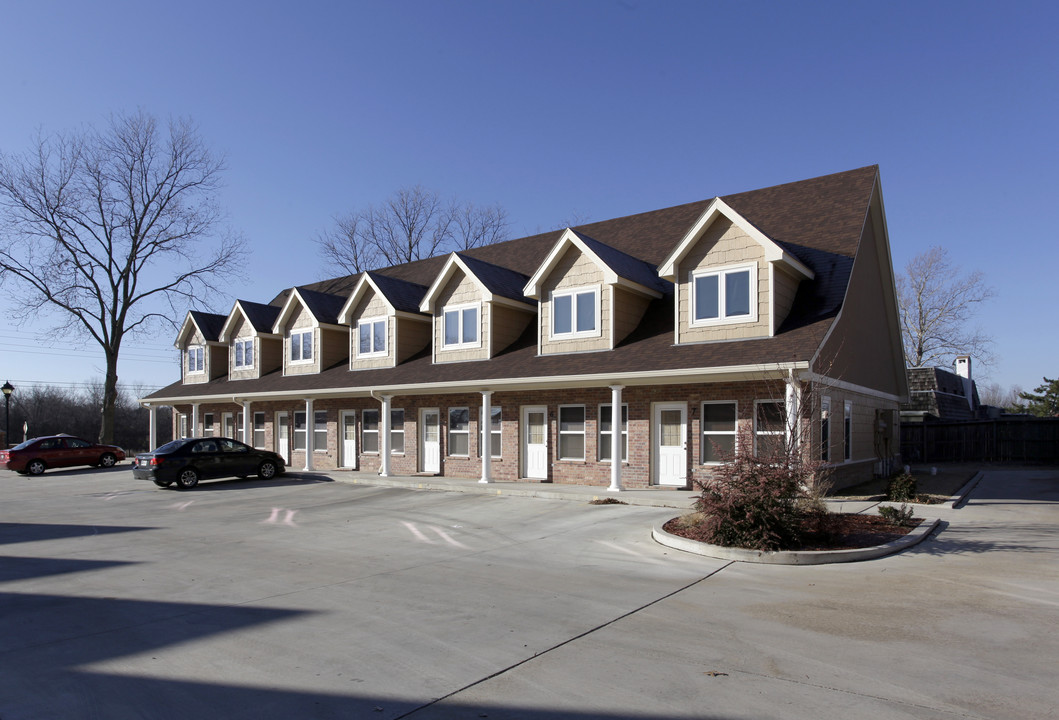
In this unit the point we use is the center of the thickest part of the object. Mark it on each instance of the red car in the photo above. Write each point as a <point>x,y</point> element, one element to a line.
<point>36,455</point>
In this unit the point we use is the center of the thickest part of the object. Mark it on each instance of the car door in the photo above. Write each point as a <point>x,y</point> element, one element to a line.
<point>235,458</point>
<point>205,456</point>
<point>79,452</point>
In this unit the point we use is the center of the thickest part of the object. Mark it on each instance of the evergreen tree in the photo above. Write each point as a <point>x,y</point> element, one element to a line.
<point>1044,400</point>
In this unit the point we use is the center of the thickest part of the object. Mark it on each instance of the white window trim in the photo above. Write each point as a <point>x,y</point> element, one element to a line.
<point>450,431</point>
<point>239,353</point>
<point>200,350</point>
<point>560,432</point>
<point>707,433</point>
<point>825,442</point>
<point>254,431</point>
<point>319,447</point>
<point>600,433</point>
<point>757,432</point>
<point>459,310</point>
<point>182,425</point>
<point>386,336</point>
<point>847,433</point>
<point>573,293</point>
<point>208,425</point>
<point>290,347</point>
<point>482,440</point>
<point>304,431</point>
<point>394,431</point>
<point>377,432</point>
<point>720,272</point>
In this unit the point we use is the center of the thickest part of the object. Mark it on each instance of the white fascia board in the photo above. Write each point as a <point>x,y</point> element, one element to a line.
<point>733,373</point>
<point>295,296</point>
<point>358,292</point>
<point>188,322</point>
<point>637,288</point>
<point>717,208</point>
<point>451,265</point>
<point>568,238</point>
<point>830,382</point>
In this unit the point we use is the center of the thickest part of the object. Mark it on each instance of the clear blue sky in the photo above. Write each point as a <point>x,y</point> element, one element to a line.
<point>570,109</point>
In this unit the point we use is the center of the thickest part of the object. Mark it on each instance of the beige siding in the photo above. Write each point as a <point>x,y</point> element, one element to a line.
<point>412,337</point>
<point>300,319</point>
<point>460,290</point>
<point>574,270</point>
<point>722,244</point>
<point>270,354</point>
<point>243,331</point>
<point>372,305</point>
<point>508,324</point>
<point>629,308</point>
<point>334,346</point>
<point>195,378</point>
<point>869,443</point>
<point>216,361</point>
<point>784,287</point>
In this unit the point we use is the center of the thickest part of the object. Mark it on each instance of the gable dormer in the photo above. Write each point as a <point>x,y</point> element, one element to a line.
<point>203,357</point>
<point>732,281</point>
<point>591,295</point>
<point>253,349</point>
<point>386,326</point>
<point>478,309</point>
<point>313,339</point>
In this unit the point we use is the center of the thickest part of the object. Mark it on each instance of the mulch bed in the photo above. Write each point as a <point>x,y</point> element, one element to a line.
<point>846,532</point>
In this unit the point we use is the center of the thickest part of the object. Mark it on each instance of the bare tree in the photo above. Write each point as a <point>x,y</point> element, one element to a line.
<point>938,303</point>
<point>108,229</point>
<point>414,223</point>
<point>998,396</point>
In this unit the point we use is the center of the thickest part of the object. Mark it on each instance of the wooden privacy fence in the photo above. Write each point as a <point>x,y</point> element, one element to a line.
<point>1032,440</point>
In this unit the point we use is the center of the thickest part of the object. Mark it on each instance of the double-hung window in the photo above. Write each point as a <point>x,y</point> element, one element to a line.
<point>571,432</point>
<point>495,425</point>
<point>259,429</point>
<point>396,431</point>
<point>183,424</point>
<point>244,353</point>
<point>724,295</point>
<point>196,359</point>
<point>460,326</point>
<point>459,431</point>
<point>301,346</point>
<point>299,430</point>
<point>825,429</point>
<point>718,431</point>
<point>371,337</point>
<point>770,429</point>
<point>207,424</point>
<point>606,427</point>
<point>369,431</point>
<point>575,313</point>
<point>320,430</point>
<point>847,431</point>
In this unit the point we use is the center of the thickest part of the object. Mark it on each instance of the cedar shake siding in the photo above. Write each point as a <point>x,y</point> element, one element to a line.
<point>823,325</point>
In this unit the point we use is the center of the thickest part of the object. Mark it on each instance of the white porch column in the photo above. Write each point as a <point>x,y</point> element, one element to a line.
<point>193,431</point>
<point>309,426</point>
<point>485,425</point>
<point>615,439</point>
<point>384,441</point>
<point>152,426</point>
<point>794,411</point>
<point>247,424</point>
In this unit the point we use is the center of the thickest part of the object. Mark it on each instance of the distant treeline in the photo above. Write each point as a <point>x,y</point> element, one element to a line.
<point>48,410</point>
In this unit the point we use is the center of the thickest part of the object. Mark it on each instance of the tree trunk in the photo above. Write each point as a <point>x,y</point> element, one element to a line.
<point>110,396</point>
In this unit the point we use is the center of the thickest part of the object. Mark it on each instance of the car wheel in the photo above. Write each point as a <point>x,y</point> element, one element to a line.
<point>188,478</point>
<point>107,460</point>
<point>35,467</point>
<point>266,470</point>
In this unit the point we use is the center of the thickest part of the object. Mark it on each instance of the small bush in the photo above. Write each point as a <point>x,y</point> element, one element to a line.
<point>897,516</point>
<point>902,488</point>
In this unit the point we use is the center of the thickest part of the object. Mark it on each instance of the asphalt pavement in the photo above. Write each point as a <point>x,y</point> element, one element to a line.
<point>307,597</point>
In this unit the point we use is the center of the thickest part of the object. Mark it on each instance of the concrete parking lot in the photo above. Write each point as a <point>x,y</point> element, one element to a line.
<point>309,598</point>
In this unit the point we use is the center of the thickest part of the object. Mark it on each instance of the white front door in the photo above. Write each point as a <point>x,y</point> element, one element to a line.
<point>671,444</point>
<point>430,440</point>
<point>228,425</point>
<point>535,442</point>
<point>283,437</point>
<point>349,439</point>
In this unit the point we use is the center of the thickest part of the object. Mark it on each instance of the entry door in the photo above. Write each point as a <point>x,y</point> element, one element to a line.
<point>283,437</point>
<point>349,439</point>
<point>228,425</point>
<point>535,442</point>
<point>430,444</point>
<point>671,444</point>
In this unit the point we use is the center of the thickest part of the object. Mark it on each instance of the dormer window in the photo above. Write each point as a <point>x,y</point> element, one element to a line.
<point>575,313</point>
<point>371,334</point>
<point>461,326</point>
<point>724,295</point>
<point>301,346</point>
<point>243,353</point>
<point>196,359</point>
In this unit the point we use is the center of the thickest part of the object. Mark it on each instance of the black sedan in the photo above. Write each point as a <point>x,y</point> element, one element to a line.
<point>185,462</point>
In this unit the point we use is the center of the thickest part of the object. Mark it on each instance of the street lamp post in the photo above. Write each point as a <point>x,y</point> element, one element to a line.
<point>8,388</point>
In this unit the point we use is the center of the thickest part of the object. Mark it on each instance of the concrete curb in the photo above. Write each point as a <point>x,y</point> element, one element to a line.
<point>802,557</point>
<point>961,495</point>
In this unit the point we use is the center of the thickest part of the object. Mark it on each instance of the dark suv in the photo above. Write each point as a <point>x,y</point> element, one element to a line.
<point>54,451</point>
